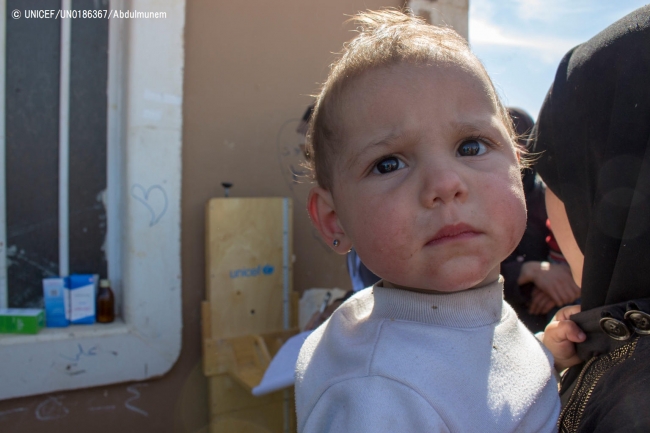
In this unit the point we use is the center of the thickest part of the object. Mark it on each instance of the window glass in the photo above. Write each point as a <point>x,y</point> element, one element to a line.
<point>88,81</point>
<point>32,153</point>
<point>32,148</point>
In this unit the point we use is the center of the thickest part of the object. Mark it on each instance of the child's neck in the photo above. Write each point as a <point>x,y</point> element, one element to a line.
<point>387,284</point>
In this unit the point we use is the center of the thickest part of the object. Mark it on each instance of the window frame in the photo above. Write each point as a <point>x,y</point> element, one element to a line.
<point>143,243</point>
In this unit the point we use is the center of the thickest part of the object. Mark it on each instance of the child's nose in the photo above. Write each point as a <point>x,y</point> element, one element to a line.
<point>442,185</point>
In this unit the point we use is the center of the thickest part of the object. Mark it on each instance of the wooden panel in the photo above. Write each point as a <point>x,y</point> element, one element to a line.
<point>244,261</point>
<point>246,358</point>
<point>275,340</point>
<point>227,395</point>
<point>206,327</point>
<point>234,410</point>
<point>265,419</point>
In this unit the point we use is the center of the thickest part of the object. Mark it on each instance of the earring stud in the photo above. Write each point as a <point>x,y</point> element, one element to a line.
<point>336,242</point>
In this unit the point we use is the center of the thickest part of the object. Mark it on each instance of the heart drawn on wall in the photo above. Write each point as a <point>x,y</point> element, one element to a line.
<point>154,199</point>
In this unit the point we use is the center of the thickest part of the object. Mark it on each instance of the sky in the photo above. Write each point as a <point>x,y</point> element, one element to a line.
<point>521,42</point>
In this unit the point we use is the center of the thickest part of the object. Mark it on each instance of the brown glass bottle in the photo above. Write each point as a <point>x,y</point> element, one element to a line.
<point>105,303</point>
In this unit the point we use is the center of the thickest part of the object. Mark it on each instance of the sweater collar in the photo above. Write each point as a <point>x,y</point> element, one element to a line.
<point>465,309</point>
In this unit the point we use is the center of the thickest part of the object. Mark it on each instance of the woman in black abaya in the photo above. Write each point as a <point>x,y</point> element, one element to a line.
<point>594,135</point>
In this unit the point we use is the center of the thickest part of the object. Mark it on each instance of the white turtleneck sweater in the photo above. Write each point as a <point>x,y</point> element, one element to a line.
<point>391,360</point>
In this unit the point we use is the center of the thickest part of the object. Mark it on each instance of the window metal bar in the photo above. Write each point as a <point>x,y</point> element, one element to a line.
<point>114,141</point>
<point>4,293</point>
<point>64,143</point>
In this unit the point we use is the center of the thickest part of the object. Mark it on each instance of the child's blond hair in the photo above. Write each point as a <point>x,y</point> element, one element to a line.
<point>385,38</point>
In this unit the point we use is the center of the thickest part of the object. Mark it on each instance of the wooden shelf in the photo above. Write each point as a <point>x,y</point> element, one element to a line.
<point>245,358</point>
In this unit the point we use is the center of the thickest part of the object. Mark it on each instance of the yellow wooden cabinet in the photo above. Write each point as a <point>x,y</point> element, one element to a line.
<point>250,311</point>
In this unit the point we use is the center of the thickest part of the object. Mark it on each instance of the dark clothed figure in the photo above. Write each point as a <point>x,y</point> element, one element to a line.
<point>537,279</point>
<point>533,246</point>
<point>594,132</point>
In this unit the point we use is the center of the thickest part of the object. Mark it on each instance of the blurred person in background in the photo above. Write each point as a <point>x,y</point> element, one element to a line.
<point>537,278</point>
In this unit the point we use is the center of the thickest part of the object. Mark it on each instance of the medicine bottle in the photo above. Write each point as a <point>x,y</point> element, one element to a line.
<point>105,302</point>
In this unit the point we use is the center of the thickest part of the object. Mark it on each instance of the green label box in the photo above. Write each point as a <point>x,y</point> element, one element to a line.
<point>21,320</point>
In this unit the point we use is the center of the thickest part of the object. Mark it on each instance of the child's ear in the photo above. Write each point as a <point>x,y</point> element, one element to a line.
<point>320,206</point>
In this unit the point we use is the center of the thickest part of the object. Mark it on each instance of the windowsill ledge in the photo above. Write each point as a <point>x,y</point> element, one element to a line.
<point>82,356</point>
<point>72,332</point>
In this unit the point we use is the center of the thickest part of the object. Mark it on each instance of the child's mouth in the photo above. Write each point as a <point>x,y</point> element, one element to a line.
<point>455,232</point>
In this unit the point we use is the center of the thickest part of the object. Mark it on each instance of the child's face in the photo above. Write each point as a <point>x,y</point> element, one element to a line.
<point>427,186</point>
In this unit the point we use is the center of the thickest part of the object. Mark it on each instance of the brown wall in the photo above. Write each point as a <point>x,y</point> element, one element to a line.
<point>249,67</point>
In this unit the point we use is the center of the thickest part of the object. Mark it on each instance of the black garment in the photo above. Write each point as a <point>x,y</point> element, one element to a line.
<point>594,132</point>
<point>607,393</point>
<point>532,247</point>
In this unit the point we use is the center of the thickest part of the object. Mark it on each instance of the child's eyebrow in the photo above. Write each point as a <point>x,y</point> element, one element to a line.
<point>383,140</point>
<point>479,127</point>
<point>468,128</point>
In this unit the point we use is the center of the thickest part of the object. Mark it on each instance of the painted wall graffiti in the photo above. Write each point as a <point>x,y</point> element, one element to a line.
<point>54,407</point>
<point>154,199</point>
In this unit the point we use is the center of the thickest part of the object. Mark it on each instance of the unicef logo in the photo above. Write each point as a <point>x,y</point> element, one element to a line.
<point>252,272</point>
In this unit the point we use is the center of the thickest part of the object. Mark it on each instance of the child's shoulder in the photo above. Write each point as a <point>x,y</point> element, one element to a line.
<point>347,324</point>
<point>330,349</point>
<point>338,353</point>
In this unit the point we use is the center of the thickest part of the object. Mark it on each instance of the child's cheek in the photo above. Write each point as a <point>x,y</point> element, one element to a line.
<point>385,241</point>
<point>509,209</point>
<point>516,208</point>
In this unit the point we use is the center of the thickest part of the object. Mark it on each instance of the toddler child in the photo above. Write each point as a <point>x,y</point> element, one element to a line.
<point>417,170</point>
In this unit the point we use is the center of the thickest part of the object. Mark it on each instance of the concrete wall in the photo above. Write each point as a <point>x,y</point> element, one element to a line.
<point>249,70</point>
<point>452,13</point>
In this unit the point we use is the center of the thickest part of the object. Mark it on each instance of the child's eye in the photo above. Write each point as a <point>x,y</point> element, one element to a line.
<point>472,147</point>
<point>388,165</point>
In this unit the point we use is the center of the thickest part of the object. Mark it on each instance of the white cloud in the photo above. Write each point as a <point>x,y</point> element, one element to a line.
<point>551,11</point>
<point>557,14</point>
<point>549,48</point>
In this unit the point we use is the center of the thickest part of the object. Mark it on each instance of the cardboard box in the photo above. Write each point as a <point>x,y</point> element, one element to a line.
<point>21,320</point>
<point>56,295</point>
<point>83,291</point>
